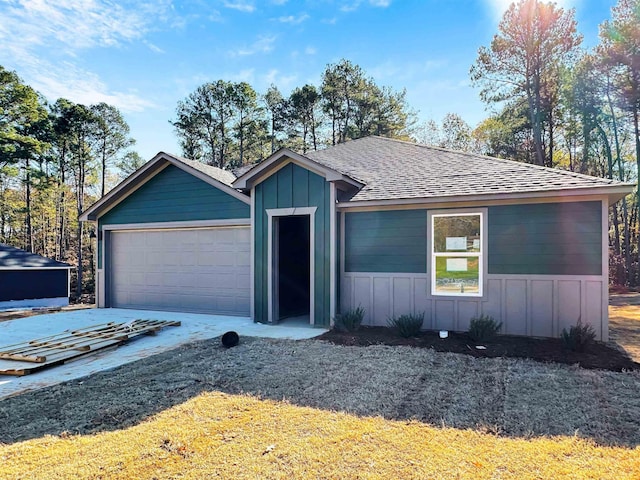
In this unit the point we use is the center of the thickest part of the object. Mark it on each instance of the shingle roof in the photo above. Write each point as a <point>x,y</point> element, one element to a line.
<point>394,169</point>
<point>223,176</point>
<point>12,257</point>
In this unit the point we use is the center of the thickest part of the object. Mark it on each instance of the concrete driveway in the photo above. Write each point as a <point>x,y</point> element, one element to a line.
<point>194,327</point>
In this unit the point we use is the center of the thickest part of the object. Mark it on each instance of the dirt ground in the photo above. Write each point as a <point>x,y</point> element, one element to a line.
<point>510,397</point>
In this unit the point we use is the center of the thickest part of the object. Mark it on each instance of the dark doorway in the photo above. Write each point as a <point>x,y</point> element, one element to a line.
<point>293,266</point>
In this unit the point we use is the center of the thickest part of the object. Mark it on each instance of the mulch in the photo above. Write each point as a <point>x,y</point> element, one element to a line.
<point>599,355</point>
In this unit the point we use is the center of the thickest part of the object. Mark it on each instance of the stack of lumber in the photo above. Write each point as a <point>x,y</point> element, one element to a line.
<point>34,355</point>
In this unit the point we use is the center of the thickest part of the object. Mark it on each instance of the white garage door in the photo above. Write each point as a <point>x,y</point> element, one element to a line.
<point>192,270</point>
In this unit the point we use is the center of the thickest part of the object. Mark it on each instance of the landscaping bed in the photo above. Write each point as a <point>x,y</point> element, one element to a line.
<point>598,355</point>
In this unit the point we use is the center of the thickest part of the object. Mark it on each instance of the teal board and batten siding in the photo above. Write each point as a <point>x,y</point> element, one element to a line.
<point>544,270</point>
<point>293,186</point>
<point>173,195</point>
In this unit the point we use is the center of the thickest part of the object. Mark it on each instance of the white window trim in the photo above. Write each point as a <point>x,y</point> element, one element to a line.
<point>481,255</point>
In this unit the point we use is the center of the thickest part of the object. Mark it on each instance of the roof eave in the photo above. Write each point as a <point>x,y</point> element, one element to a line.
<point>148,169</point>
<point>614,193</point>
<point>248,179</point>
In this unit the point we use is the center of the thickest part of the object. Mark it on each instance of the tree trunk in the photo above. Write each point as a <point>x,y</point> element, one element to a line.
<point>29,231</point>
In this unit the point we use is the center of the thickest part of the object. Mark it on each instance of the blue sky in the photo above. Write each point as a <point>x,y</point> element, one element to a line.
<point>145,56</point>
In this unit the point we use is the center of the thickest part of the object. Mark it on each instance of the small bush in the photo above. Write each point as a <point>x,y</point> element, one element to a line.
<point>483,328</point>
<point>349,321</point>
<point>579,336</point>
<point>407,325</point>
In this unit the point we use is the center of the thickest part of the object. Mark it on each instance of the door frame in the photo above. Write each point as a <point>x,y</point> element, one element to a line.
<point>272,258</point>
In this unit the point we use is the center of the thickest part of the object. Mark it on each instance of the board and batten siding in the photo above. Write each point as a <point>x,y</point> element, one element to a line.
<point>535,290</point>
<point>289,187</point>
<point>173,195</point>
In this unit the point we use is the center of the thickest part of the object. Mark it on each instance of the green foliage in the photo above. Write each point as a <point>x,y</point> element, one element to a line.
<point>349,321</point>
<point>483,328</point>
<point>578,337</point>
<point>408,325</point>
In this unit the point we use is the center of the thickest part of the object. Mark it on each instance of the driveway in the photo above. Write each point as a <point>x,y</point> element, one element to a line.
<point>194,327</point>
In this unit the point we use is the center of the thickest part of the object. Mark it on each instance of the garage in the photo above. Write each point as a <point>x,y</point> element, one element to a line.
<point>202,270</point>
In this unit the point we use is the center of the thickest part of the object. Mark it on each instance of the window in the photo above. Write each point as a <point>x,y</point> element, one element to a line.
<point>456,254</point>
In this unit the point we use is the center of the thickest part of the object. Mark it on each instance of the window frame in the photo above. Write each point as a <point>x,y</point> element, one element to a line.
<point>481,255</point>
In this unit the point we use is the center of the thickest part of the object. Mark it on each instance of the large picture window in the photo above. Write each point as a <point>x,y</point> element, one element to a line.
<point>456,254</point>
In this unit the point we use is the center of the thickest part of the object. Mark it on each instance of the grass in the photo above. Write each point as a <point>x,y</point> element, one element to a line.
<point>624,327</point>
<point>240,436</point>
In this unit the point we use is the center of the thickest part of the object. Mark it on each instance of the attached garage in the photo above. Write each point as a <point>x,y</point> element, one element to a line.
<point>174,236</point>
<point>192,270</point>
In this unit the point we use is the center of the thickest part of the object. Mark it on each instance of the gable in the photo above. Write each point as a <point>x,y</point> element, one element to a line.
<point>173,195</point>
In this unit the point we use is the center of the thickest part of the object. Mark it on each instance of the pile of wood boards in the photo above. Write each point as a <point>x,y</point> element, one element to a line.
<point>34,355</point>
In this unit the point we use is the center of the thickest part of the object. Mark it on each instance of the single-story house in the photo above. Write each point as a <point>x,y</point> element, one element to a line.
<point>391,226</point>
<point>28,280</point>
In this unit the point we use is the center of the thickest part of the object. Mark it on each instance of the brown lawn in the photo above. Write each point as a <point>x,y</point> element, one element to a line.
<point>624,323</point>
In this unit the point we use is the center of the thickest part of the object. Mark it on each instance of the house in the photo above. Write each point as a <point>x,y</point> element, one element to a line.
<point>391,226</point>
<point>28,280</point>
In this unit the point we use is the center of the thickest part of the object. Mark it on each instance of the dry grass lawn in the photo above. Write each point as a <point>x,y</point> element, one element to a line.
<point>217,435</point>
<point>283,409</point>
<point>624,323</point>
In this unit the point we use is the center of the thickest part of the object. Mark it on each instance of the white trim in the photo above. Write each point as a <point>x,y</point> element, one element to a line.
<point>288,212</point>
<point>481,255</point>
<point>252,274</point>
<point>605,271</point>
<point>568,195</point>
<point>264,170</point>
<point>234,222</point>
<point>332,253</point>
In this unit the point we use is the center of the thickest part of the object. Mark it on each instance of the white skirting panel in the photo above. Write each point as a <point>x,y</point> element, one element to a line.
<point>539,305</point>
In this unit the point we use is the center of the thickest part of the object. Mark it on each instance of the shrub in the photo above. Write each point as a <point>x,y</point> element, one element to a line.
<point>349,321</point>
<point>579,336</point>
<point>483,328</point>
<point>407,325</point>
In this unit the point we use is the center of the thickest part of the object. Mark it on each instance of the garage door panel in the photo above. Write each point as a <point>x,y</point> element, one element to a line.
<point>198,270</point>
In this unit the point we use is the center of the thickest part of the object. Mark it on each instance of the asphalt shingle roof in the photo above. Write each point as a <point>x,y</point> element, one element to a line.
<point>223,176</point>
<point>393,169</point>
<point>12,257</point>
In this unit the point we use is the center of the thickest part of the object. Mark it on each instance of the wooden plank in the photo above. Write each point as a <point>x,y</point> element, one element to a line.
<point>67,346</point>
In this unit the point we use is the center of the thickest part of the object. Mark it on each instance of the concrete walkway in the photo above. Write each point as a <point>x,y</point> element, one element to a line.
<point>194,327</point>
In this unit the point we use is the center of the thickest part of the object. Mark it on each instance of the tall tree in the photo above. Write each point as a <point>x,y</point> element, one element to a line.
<point>534,39</point>
<point>247,112</point>
<point>303,108</point>
<point>276,107</point>
<point>21,114</point>
<point>620,51</point>
<point>112,137</point>
<point>341,84</point>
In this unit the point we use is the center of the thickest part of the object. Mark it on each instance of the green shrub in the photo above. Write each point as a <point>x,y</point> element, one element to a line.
<point>349,321</point>
<point>407,325</point>
<point>579,336</point>
<point>483,328</point>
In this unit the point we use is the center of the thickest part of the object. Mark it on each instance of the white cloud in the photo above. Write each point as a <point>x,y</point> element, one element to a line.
<point>242,6</point>
<point>354,4</point>
<point>263,44</point>
<point>293,20</point>
<point>80,86</point>
<point>76,24</point>
<point>310,51</point>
